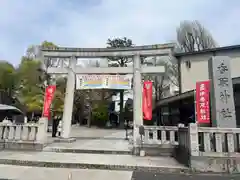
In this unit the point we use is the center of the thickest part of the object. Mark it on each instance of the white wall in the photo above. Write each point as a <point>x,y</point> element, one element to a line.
<point>199,68</point>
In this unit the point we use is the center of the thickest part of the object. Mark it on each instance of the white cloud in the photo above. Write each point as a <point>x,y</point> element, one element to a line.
<point>90,23</point>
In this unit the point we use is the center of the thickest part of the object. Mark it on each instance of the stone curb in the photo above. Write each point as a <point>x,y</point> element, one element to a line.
<point>88,151</point>
<point>93,166</point>
<point>170,170</point>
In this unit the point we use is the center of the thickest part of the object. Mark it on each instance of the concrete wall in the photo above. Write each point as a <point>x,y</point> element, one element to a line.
<point>199,67</point>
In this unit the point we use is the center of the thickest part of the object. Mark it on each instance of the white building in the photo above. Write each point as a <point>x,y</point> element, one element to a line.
<point>116,99</point>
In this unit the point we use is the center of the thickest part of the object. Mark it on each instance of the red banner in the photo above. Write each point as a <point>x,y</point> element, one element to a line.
<point>202,102</point>
<point>147,100</point>
<point>49,94</point>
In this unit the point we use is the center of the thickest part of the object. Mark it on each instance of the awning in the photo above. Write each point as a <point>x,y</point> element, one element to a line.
<point>175,98</point>
<point>9,110</point>
<point>236,80</point>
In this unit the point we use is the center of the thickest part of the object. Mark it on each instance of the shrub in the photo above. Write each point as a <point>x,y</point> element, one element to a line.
<point>100,115</point>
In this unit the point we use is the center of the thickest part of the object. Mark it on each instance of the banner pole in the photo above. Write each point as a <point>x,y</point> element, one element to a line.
<point>195,107</point>
<point>44,99</point>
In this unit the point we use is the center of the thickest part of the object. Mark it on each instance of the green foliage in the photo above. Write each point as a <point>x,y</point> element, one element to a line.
<point>100,115</point>
<point>7,77</point>
<point>31,90</point>
<point>58,101</point>
<point>30,82</point>
<point>28,72</point>
<point>47,44</point>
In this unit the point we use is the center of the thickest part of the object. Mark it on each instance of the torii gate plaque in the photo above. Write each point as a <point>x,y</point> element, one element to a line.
<point>64,61</point>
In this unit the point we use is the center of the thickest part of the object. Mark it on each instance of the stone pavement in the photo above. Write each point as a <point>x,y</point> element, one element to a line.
<point>163,176</point>
<point>90,161</point>
<point>94,139</point>
<point>82,132</point>
<point>36,173</point>
<point>9,172</point>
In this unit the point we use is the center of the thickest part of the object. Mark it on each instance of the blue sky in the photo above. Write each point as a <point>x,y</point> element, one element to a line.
<point>89,23</point>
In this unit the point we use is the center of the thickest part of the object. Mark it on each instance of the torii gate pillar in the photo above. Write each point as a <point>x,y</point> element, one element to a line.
<point>137,100</point>
<point>68,101</point>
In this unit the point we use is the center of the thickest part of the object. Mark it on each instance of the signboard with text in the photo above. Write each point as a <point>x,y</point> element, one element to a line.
<point>94,81</point>
<point>202,102</point>
<point>222,97</point>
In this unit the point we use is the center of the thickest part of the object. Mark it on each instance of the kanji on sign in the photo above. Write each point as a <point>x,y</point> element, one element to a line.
<point>222,68</point>
<point>202,102</point>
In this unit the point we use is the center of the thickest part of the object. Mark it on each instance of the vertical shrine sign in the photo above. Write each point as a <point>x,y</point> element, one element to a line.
<point>147,100</point>
<point>49,95</point>
<point>202,102</point>
<point>222,100</point>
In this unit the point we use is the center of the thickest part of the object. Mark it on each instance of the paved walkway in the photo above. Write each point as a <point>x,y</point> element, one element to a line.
<point>94,139</point>
<point>8,172</point>
<point>84,160</point>
<point>164,176</point>
<point>82,132</point>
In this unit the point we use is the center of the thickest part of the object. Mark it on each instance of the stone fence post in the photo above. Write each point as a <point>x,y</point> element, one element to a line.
<point>42,131</point>
<point>193,139</point>
<point>44,120</point>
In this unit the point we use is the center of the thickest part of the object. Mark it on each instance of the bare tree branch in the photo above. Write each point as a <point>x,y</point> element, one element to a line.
<point>193,36</point>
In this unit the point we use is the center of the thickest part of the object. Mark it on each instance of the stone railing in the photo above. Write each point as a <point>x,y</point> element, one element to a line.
<point>210,149</point>
<point>22,136</point>
<point>161,135</point>
<point>219,141</point>
<point>14,132</point>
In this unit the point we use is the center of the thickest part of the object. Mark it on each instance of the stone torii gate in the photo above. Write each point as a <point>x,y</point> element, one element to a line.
<point>64,61</point>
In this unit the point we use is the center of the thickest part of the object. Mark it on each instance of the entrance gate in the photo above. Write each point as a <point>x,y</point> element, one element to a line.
<point>64,61</point>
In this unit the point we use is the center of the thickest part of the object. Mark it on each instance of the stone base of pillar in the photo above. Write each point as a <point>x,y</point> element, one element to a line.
<point>136,151</point>
<point>44,120</point>
<point>65,140</point>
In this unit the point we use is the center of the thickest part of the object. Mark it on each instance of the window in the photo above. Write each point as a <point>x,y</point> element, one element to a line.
<point>188,64</point>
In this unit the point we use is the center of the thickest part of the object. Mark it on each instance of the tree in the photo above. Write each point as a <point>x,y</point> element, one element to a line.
<point>7,78</point>
<point>58,101</point>
<point>193,36</point>
<point>47,44</point>
<point>32,80</point>
<point>30,91</point>
<point>119,62</point>
<point>161,83</point>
